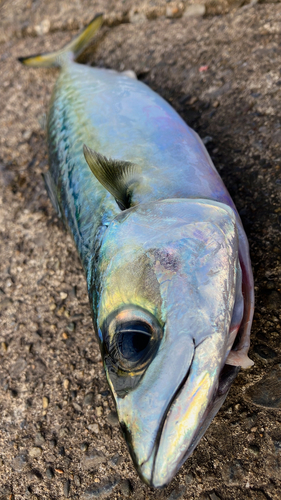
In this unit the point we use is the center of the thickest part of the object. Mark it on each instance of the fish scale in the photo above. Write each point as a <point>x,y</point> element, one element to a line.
<point>67,133</point>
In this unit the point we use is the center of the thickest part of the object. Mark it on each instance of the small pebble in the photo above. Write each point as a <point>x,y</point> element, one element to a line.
<point>125,488</point>
<point>89,399</point>
<point>214,496</point>
<point>195,10</point>
<point>94,428</point>
<point>63,432</point>
<point>84,446</point>
<point>52,443</point>
<point>61,451</point>
<point>50,473</point>
<point>77,407</point>
<point>71,327</point>
<point>27,134</point>
<point>267,391</point>
<point>233,473</point>
<point>64,335</point>
<point>66,384</point>
<point>115,460</point>
<point>34,474</point>
<point>45,402</point>
<point>77,480</point>
<point>264,351</point>
<point>254,449</point>
<point>66,488</point>
<point>99,411</point>
<point>99,491</point>
<point>4,346</point>
<point>174,9</point>
<point>35,452</point>
<point>19,462</point>
<point>39,439</point>
<point>93,458</point>
<point>63,295</point>
<point>189,478</point>
<point>112,418</point>
<point>176,494</point>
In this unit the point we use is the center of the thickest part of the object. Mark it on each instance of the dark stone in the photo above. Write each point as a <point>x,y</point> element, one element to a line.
<point>233,473</point>
<point>126,488</point>
<point>189,478</point>
<point>89,399</point>
<point>254,449</point>
<point>66,488</point>
<point>71,327</point>
<point>104,393</point>
<point>34,474</point>
<point>52,443</point>
<point>50,473</point>
<point>84,446</point>
<point>267,392</point>
<point>92,459</point>
<point>176,494</point>
<point>39,439</point>
<point>273,301</point>
<point>214,496</point>
<point>99,490</point>
<point>13,393</point>
<point>115,460</point>
<point>264,351</point>
<point>112,419</point>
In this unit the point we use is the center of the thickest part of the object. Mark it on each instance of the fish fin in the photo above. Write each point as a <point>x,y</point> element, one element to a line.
<point>239,358</point>
<point>68,53</point>
<point>118,177</point>
<point>51,190</point>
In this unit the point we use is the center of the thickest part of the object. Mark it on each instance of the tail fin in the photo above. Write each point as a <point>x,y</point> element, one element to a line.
<point>70,52</point>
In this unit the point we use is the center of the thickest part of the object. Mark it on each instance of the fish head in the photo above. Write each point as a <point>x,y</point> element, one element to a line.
<point>167,281</point>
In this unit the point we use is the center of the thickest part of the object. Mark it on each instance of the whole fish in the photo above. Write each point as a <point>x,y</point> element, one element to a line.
<point>164,252</point>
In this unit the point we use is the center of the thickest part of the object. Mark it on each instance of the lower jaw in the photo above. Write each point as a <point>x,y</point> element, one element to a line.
<point>226,378</point>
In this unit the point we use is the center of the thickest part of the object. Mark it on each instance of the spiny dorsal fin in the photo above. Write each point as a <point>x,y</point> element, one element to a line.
<point>118,177</point>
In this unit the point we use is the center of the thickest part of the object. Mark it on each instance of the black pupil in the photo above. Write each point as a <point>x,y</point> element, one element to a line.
<point>133,338</point>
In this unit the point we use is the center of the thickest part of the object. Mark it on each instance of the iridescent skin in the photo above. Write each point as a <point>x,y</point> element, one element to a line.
<point>172,256</point>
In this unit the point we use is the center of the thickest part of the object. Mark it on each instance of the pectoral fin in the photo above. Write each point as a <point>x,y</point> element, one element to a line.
<point>52,192</point>
<point>118,177</point>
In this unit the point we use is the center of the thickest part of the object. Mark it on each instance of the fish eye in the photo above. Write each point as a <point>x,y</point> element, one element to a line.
<point>132,338</point>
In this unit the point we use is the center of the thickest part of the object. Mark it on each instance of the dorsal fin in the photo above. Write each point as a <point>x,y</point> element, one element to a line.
<point>118,177</point>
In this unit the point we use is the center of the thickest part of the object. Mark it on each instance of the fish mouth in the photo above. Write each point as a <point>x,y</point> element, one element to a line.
<point>184,423</point>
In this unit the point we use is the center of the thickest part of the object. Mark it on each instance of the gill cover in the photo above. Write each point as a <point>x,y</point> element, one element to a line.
<point>167,275</point>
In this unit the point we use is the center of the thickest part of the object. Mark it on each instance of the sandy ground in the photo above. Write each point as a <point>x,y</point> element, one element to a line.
<point>59,434</point>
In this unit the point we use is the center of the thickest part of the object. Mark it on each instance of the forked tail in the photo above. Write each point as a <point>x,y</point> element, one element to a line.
<point>70,52</point>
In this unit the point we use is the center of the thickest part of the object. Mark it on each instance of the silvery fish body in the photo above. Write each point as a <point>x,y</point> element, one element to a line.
<point>164,252</point>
